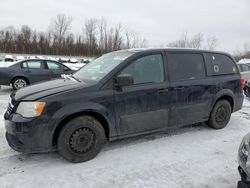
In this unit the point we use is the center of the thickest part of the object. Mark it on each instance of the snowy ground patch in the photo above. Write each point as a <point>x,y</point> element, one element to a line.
<point>190,157</point>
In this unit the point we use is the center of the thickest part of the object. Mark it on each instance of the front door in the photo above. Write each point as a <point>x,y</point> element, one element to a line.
<point>144,105</point>
<point>56,69</point>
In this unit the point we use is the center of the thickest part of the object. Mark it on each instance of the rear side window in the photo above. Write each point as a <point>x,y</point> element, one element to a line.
<point>33,64</point>
<point>184,66</point>
<point>220,64</point>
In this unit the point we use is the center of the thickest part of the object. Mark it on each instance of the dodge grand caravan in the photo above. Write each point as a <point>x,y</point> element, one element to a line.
<point>123,94</point>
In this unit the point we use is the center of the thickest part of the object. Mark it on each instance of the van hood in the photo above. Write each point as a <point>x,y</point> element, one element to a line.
<point>44,89</point>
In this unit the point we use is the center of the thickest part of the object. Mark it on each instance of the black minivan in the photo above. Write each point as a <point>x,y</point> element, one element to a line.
<point>123,94</point>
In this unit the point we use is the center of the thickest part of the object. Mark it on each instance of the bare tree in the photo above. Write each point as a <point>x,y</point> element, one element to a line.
<point>134,40</point>
<point>129,35</point>
<point>180,43</point>
<point>60,26</point>
<point>117,39</point>
<point>197,42</point>
<point>138,41</point>
<point>8,36</point>
<point>212,43</point>
<point>246,46</point>
<point>97,38</point>
<point>90,27</point>
<point>102,28</point>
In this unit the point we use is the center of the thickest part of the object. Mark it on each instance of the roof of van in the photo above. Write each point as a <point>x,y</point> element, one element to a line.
<point>172,49</point>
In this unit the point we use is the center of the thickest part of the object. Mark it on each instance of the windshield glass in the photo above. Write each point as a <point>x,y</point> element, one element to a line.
<point>100,67</point>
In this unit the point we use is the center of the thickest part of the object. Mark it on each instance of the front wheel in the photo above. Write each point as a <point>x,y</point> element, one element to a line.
<point>220,115</point>
<point>19,83</point>
<point>81,139</point>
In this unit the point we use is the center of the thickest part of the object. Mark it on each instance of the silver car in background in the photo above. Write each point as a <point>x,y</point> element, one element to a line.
<point>244,67</point>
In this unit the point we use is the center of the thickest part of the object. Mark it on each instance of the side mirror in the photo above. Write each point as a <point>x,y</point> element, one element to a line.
<point>65,69</point>
<point>124,80</point>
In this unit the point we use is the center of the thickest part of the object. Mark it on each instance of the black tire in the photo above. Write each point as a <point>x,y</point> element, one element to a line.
<point>19,82</point>
<point>81,139</point>
<point>220,115</point>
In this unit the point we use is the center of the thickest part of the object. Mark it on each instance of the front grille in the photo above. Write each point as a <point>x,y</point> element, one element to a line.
<point>9,110</point>
<point>243,158</point>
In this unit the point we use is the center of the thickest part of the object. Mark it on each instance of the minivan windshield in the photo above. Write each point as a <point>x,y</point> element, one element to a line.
<point>100,67</point>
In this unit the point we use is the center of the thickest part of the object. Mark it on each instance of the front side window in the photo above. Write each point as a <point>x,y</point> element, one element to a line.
<point>184,66</point>
<point>100,67</point>
<point>148,69</point>
<point>53,65</point>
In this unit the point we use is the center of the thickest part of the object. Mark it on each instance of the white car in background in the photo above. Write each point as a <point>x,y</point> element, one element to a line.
<point>19,58</point>
<point>74,66</point>
<point>7,61</point>
<point>72,63</point>
<point>244,67</point>
<point>7,64</point>
<point>8,58</point>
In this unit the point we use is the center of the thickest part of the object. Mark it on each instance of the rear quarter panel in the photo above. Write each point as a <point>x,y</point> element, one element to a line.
<point>6,75</point>
<point>229,85</point>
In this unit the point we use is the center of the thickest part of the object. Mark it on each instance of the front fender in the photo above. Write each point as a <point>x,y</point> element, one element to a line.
<point>77,108</point>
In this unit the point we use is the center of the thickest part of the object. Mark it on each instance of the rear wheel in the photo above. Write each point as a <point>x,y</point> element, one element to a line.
<point>81,139</point>
<point>19,82</point>
<point>220,115</point>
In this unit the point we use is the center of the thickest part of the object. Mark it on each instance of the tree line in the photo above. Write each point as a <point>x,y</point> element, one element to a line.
<point>245,54</point>
<point>197,41</point>
<point>96,38</point>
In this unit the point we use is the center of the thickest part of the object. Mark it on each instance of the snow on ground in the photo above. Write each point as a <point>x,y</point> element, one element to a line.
<point>190,157</point>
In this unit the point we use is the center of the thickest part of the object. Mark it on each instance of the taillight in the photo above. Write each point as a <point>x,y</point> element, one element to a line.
<point>242,83</point>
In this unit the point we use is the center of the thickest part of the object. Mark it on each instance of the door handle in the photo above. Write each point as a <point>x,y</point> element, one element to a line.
<point>163,90</point>
<point>179,88</point>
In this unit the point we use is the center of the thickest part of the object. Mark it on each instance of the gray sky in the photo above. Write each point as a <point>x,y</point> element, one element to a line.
<point>160,21</point>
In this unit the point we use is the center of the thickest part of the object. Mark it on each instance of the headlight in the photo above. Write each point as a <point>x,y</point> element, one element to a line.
<point>245,145</point>
<point>30,109</point>
<point>244,155</point>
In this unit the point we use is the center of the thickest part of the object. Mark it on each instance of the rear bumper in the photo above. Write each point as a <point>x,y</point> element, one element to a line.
<point>5,78</point>
<point>238,102</point>
<point>242,185</point>
<point>27,135</point>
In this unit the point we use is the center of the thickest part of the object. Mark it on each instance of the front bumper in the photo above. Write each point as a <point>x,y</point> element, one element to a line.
<point>28,135</point>
<point>244,183</point>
